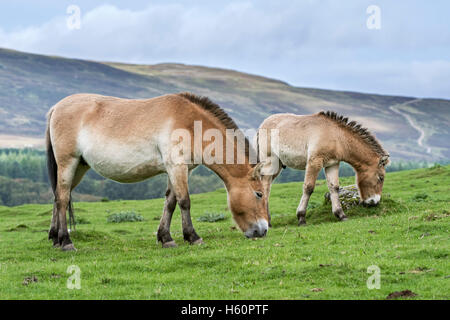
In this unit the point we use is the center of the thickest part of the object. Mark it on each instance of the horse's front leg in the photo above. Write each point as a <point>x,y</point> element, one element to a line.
<point>164,226</point>
<point>332,175</point>
<point>178,176</point>
<point>267,181</point>
<point>266,184</point>
<point>311,173</point>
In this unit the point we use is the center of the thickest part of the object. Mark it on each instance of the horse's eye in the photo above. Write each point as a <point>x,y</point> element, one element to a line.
<point>258,194</point>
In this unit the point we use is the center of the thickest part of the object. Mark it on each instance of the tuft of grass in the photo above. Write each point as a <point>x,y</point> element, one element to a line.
<point>418,197</point>
<point>81,220</point>
<point>211,217</point>
<point>125,216</point>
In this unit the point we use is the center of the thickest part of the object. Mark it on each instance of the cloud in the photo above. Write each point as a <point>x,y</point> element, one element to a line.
<point>310,43</point>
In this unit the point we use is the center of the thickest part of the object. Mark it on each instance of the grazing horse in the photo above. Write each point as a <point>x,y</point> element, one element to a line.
<point>317,141</point>
<point>131,140</point>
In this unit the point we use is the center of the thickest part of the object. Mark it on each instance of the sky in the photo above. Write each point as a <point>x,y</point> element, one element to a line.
<point>401,47</point>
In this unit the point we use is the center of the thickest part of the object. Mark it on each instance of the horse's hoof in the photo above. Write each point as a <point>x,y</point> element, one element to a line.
<point>56,245</point>
<point>170,244</point>
<point>68,247</point>
<point>343,219</point>
<point>302,223</point>
<point>198,241</point>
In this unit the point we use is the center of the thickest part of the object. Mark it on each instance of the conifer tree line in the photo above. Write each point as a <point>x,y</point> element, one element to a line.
<point>24,179</point>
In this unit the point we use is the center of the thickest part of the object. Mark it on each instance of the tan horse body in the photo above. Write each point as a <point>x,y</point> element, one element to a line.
<point>131,140</point>
<point>322,140</point>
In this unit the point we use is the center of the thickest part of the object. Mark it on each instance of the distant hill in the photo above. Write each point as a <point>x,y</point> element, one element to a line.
<point>409,128</point>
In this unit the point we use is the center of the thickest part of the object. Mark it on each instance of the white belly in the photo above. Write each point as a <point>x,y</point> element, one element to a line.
<point>293,156</point>
<point>132,161</point>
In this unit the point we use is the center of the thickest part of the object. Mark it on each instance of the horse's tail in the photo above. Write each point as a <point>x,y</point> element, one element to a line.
<point>52,168</point>
<point>71,214</point>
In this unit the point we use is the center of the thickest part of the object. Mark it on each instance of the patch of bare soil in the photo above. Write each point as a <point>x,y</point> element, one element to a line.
<point>401,294</point>
<point>29,280</point>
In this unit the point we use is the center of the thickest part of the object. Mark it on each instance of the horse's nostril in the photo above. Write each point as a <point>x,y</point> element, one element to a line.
<point>264,233</point>
<point>255,233</point>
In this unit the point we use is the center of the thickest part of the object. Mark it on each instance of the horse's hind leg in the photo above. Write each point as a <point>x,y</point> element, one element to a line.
<point>54,226</point>
<point>311,174</point>
<point>53,232</point>
<point>178,176</point>
<point>66,173</point>
<point>332,174</point>
<point>164,226</point>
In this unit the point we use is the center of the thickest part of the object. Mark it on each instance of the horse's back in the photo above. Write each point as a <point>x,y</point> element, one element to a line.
<point>298,137</point>
<point>112,116</point>
<point>119,138</point>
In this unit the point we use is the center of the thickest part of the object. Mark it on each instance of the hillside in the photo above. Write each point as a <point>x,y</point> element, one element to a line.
<point>410,128</point>
<point>406,236</point>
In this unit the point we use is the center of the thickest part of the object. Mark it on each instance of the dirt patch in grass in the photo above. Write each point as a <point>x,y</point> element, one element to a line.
<point>436,216</point>
<point>20,227</point>
<point>401,294</point>
<point>29,280</point>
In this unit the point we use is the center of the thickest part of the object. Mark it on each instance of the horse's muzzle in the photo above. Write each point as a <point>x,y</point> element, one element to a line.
<point>372,201</point>
<point>258,229</point>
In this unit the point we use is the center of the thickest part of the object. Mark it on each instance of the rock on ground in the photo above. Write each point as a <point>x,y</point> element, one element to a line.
<point>348,196</point>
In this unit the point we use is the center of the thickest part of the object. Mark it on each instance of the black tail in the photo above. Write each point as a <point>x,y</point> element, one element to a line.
<point>52,168</point>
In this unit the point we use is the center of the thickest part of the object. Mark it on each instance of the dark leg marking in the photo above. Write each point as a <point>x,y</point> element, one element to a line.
<point>189,233</point>
<point>163,234</point>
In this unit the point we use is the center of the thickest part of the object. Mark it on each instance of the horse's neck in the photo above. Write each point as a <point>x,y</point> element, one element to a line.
<point>357,154</point>
<point>230,172</point>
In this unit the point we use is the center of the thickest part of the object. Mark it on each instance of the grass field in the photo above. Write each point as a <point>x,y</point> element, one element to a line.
<point>406,236</point>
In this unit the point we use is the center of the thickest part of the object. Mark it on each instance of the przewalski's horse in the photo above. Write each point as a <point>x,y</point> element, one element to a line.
<point>132,140</point>
<point>322,140</point>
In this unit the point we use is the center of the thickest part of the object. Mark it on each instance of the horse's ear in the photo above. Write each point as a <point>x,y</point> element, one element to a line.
<point>256,172</point>
<point>384,161</point>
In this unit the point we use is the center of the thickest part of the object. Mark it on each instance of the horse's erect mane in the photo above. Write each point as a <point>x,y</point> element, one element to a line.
<point>356,129</point>
<point>212,108</point>
<point>215,110</point>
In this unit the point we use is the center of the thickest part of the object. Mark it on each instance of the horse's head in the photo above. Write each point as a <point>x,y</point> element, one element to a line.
<point>248,204</point>
<point>370,181</point>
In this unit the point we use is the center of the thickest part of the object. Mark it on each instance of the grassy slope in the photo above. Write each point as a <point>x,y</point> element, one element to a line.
<point>407,239</point>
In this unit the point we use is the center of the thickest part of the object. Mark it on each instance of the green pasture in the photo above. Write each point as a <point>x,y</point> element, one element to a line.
<point>406,237</point>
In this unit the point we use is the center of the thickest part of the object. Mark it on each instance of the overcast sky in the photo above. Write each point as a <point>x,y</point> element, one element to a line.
<point>322,44</point>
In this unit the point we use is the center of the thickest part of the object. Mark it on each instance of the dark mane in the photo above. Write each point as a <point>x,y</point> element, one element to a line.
<point>214,109</point>
<point>357,129</point>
